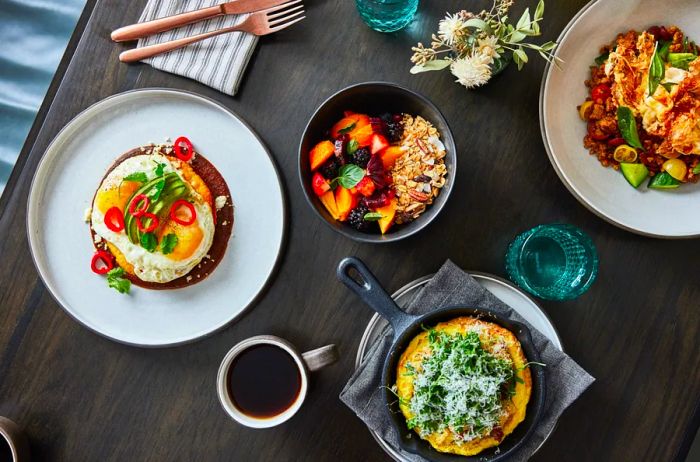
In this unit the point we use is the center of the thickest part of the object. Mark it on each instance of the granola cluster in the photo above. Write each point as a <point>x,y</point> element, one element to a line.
<point>420,173</point>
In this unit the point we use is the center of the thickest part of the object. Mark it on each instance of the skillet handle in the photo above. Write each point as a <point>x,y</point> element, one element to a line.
<point>373,294</point>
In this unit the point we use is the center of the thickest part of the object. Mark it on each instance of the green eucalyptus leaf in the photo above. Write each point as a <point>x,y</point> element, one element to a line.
<point>517,37</point>
<point>434,65</point>
<point>539,11</point>
<point>524,21</point>
<point>520,57</point>
<point>478,24</point>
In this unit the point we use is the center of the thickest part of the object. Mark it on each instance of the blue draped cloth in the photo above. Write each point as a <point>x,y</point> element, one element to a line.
<point>33,37</point>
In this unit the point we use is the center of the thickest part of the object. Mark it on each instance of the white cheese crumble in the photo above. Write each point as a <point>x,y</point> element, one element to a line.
<point>219,202</point>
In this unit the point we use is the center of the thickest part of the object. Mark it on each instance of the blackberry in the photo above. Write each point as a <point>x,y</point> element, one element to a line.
<point>330,169</point>
<point>356,219</point>
<point>361,157</point>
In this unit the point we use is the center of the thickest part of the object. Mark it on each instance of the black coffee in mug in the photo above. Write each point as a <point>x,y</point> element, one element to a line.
<point>264,381</point>
<point>5,450</point>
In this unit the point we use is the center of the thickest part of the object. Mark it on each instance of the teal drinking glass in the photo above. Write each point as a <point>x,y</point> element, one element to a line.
<point>387,15</point>
<point>553,262</point>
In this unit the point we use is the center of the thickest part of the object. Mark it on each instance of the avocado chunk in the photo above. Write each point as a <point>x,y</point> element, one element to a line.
<point>635,174</point>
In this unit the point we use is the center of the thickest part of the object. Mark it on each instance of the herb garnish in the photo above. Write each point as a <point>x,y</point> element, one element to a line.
<point>460,386</point>
<point>154,193</point>
<point>628,127</point>
<point>159,170</point>
<point>149,242</point>
<point>656,70</point>
<point>681,60</point>
<point>353,145</point>
<point>136,176</point>
<point>347,129</point>
<point>373,216</point>
<point>168,243</point>
<point>117,281</point>
<point>602,58</point>
<point>348,176</point>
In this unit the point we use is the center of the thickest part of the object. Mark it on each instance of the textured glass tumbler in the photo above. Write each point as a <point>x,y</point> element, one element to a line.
<point>553,262</point>
<point>387,15</point>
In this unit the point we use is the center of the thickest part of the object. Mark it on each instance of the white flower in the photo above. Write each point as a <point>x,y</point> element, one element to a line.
<point>450,28</point>
<point>488,46</point>
<point>472,70</point>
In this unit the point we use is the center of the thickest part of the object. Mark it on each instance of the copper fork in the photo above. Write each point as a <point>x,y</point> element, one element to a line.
<point>261,23</point>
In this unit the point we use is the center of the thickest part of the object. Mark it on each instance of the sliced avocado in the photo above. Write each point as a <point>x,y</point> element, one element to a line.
<point>663,180</point>
<point>173,189</point>
<point>635,174</point>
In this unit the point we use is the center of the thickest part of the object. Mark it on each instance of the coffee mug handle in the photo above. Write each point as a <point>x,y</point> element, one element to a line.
<point>320,357</point>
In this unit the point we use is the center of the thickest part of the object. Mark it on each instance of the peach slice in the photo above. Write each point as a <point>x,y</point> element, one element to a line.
<point>390,155</point>
<point>320,153</point>
<point>388,215</point>
<point>328,200</point>
<point>346,201</point>
<point>356,121</point>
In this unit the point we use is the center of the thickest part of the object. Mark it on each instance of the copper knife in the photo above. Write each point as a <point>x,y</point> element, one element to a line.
<point>144,29</point>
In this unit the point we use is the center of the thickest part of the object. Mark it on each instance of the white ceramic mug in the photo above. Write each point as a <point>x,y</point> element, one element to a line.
<point>306,362</point>
<point>17,441</point>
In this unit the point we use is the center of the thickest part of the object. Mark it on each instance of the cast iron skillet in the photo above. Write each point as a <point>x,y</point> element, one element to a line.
<point>356,276</point>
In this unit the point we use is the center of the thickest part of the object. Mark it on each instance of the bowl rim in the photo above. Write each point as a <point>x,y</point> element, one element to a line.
<point>519,329</point>
<point>422,222</point>
<point>580,197</point>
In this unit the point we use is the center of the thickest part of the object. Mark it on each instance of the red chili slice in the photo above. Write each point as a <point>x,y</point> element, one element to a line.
<point>101,262</point>
<point>600,93</point>
<point>186,153</point>
<point>146,228</point>
<point>140,199</point>
<point>190,208</point>
<point>114,219</point>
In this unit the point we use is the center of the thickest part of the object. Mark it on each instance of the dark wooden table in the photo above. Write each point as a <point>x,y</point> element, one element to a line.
<point>84,398</point>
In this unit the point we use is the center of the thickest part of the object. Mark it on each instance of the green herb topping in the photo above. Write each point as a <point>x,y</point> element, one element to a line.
<point>349,176</point>
<point>136,176</point>
<point>460,386</point>
<point>628,127</point>
<point>168,243</point>
<point>117,281</point>
<point>149,242</point>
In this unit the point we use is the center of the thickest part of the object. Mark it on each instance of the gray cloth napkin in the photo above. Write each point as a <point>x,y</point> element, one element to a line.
<point>218,62</point>
<point>565,379</point>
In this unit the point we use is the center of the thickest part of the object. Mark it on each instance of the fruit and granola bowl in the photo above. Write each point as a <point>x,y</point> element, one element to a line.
<point>377,162</point>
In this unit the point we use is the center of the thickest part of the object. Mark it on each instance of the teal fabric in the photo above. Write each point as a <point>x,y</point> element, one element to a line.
<point>33,36</point>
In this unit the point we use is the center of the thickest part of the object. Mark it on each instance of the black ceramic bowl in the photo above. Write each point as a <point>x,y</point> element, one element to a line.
<point>356,276</point>
<point>375,98</point>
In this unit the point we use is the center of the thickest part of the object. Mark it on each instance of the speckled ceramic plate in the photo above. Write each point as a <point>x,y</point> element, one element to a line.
<point>604,190</point>
<point>71,170</point>
<point>504,290</point>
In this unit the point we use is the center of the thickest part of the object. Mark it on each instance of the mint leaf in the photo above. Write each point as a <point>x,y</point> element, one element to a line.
<point>168,243</point>
<point>117,281</point>
<point>373,216</point>
<point>353,145</point>
<point>136,176</point>
<point>349,176</point>
<point>681,60</point>
<point>149,242</point>
<point>347,129</point>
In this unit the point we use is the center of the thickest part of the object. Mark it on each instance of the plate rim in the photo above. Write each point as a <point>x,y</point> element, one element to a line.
<point>361,348</point>
<point>579,197</point>
<point>282,242</point>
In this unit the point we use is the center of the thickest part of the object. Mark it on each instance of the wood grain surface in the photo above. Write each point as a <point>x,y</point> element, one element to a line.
<point>83,398</point>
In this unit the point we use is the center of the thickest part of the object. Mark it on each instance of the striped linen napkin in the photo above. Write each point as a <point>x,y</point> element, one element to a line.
<point>217,62</point>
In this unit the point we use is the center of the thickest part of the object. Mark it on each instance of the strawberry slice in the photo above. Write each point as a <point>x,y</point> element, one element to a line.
<point>378,143</point>
<point>319,184</point>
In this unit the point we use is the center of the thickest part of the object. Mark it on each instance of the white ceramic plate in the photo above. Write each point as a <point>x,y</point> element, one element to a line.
<point>504,290</point>
<point>69,174</point>
<point>604,190</point>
